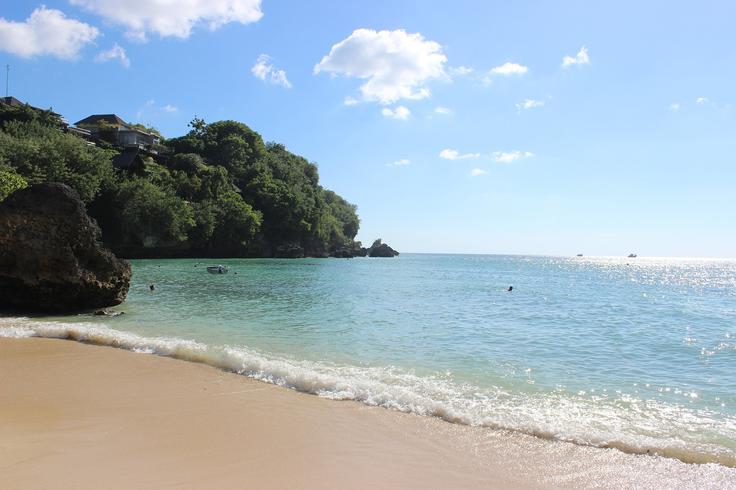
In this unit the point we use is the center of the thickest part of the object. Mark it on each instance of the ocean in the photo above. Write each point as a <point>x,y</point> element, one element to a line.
<point>637,354</point>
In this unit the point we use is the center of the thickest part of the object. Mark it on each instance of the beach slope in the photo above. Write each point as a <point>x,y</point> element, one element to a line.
<point>82,416</point>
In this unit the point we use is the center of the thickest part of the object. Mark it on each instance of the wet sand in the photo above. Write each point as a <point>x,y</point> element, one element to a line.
<point>80,416</point>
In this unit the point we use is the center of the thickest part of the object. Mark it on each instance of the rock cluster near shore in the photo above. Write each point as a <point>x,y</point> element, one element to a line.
<point>51,255</point>
<point>380,249</point>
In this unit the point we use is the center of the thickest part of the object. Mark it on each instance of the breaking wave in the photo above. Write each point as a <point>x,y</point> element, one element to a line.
<point>629,424</point>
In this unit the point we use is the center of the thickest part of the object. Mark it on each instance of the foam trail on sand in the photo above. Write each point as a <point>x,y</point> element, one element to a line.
<point>629,424</point>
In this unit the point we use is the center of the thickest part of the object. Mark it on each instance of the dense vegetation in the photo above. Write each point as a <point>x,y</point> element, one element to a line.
<point>217,191</point>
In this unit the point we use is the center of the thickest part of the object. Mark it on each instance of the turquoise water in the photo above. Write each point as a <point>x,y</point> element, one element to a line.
<point>638,354</point>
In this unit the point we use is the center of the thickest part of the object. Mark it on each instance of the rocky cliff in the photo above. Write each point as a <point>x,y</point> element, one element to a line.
<point>51,256</point>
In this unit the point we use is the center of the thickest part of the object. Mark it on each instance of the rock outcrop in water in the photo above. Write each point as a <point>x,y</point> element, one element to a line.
<point>51,256</point>
<point>379,249</point>
<point>349,252</point>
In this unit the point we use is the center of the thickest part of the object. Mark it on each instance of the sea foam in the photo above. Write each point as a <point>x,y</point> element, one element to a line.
<point>628,424</point>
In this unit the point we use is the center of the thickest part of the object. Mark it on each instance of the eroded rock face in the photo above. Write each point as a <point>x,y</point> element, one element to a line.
<point>356,250</point>
<point>51,255</point>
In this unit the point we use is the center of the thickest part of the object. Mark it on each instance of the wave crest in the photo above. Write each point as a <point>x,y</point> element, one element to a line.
<point>631,425</point>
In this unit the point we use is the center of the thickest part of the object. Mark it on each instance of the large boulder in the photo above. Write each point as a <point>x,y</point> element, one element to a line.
<point>51,256</point>
<point>379,249</point>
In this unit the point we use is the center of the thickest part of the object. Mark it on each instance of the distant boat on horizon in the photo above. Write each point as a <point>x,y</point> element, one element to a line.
<point>632,256</point>
<point>580,255</point>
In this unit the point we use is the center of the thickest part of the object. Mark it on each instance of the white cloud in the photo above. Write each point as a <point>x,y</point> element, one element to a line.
<point>396,65</point>
<point>46,32</point>
<point>702,100</point>
<point>461,70</point>
<point>450,154</point>
<point>442,110</point>
<point>350,101</point>
<point>510,156</point>
<point>508,69</point>
<point>399,112</point>
<point>146,105</point>
<point>114,53</point>
<point>477,172</point>
<point>581,58</point>
<point>149,109</point>
<point>174,18</point>
<point>400,163</point>
<point>675,106</point>
<point>529,104</point>
<point>264,70</point>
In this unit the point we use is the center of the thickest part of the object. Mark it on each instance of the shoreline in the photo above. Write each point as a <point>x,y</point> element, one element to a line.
<point>154,421</point>
<point>310,379</point>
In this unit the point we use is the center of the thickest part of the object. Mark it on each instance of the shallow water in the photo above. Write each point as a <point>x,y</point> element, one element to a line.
<point>638,354</point>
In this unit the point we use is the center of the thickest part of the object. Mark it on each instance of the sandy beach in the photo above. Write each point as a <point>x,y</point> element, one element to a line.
<point>81,416</point>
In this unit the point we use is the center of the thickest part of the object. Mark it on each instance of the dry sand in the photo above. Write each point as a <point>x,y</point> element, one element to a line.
<point>81,416</point>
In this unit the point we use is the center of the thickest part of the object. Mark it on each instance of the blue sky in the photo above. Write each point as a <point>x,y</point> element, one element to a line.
<point>454,126</point>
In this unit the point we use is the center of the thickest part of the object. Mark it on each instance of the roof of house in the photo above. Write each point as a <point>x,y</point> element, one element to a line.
<point>80,131</point>
<point>13,102</point>
<point>112,119</point>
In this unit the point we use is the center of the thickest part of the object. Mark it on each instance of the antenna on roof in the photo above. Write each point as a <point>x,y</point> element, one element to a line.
<point>7,79</point>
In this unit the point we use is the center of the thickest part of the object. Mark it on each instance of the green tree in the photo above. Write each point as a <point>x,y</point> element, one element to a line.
<point>344,212</point>
<point>40,153</point>
<point>206,216</point>
<point>147,129</point>
<point>229,144</point>
<point>10,181</point>
<point>219,190</point>
<point>215,181</point>
<point>152,217</point>
<point>236,224</point>
<point>187,162</point>
<point>26,113</point>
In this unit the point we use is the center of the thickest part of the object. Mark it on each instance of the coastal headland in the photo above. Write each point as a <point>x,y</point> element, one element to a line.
<point>82,416</point>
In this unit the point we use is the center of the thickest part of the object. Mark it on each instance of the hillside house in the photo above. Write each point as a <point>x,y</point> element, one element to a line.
<point>111,128</point>
<point>13,102</point>
<point>63,125</point>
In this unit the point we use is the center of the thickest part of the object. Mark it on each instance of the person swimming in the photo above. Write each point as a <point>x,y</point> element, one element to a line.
<point>511,288</point>
<point>152,287</point>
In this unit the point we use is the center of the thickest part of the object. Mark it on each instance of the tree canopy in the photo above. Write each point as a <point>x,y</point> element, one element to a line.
<point>217,190</point>
<point>41,153</point>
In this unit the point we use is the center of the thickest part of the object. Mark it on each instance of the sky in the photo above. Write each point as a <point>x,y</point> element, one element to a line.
<point>526,127</point>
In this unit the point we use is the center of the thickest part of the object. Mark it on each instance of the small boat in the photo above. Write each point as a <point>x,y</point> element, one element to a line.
<point>217,269</point>
<point>580,255</point>
<point>632,256</point>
